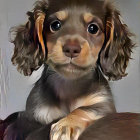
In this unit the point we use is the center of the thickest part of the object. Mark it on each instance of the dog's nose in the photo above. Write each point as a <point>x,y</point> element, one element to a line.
<point>71,50</point>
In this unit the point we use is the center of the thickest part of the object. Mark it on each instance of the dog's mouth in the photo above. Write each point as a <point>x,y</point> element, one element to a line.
<point>71,70</point>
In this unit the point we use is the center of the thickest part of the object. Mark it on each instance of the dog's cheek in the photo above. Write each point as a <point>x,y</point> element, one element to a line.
<point>95,52</point>
<point>50,46</point>
<point>96,48</point>
<point>55,52</point>
<point>85,57</point>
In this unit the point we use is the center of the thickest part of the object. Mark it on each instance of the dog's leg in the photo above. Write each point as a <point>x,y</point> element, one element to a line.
<point>70,127</point>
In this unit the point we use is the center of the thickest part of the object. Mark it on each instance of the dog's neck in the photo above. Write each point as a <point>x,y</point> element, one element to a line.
<point>67,89</point>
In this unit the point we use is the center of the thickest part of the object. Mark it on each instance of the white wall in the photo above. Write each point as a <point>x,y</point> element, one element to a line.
<point>14,88</point>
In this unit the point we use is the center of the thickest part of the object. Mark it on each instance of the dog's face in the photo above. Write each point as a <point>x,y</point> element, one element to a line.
<point>74,38</point>
<point>73,35</point>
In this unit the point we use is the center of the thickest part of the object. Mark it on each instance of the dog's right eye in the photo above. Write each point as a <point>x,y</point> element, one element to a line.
<point>93,28</point>
<point>55,26</point>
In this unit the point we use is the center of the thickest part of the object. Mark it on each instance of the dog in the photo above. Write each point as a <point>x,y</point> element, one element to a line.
<point>82,44</point>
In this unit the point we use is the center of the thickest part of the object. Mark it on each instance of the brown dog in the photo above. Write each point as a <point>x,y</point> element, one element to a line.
<point>78,41</point>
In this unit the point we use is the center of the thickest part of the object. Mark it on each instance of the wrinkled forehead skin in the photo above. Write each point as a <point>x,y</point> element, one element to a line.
<point>96,7</point>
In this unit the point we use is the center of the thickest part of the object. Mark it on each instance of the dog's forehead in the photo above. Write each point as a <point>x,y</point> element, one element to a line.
<point>77,7</point>
<point>75,12</point>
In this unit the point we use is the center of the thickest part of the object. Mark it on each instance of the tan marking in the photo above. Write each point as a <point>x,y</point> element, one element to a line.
<point>85,58</point>
<point>110,29</point>
<point>89,100</point>
<point>55,53</point>
<point>62,15</point>
<point>88,17</point>
<point>95,52</point>
<point>80,116</point>
<point>39,27</point>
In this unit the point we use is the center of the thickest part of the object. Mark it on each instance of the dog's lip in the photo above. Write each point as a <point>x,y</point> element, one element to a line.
<point>72,66</point>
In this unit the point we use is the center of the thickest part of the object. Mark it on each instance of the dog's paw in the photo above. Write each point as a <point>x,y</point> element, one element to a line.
<point>66,129</point>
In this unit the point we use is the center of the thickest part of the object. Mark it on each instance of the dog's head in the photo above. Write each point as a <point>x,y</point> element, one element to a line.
<point>73,37</point>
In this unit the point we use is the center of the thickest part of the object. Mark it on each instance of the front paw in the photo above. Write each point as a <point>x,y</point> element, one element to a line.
<point>66,129</point>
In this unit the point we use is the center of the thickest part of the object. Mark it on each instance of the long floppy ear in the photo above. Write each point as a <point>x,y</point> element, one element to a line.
<point>116,52</point>
<point>30,51</point>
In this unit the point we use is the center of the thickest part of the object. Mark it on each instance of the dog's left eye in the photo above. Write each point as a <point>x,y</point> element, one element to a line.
<point>93,28</point>
<point>55,26</point>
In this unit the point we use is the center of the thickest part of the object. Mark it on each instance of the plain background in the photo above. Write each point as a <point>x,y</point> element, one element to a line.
<point>14,87</point>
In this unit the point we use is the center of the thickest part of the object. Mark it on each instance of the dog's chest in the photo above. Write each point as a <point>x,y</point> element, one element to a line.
<point>69,96</point>
<point>46,114</point>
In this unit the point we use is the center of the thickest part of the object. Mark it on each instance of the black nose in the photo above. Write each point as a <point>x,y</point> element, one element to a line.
<point>71,50</point>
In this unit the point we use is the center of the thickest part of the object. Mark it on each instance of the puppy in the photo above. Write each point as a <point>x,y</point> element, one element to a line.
<point>79,42</point>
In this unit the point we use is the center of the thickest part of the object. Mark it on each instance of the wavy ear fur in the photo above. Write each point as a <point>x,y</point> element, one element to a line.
<point>116,52</point>
<point>28,40</point>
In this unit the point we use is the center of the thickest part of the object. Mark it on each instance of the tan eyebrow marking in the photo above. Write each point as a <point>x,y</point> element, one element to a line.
<point>88,17</point>
<point>62,15</point>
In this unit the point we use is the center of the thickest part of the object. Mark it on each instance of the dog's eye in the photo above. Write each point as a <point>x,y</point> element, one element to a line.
<point>93,28</point>
<point>55,26</point>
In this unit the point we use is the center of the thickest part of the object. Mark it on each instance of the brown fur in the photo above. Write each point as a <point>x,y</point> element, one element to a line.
<point>27,55</point>
<point>119,126</point>
<point>118,46</point>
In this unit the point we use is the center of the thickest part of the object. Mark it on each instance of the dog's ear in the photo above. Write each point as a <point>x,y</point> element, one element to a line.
<point>30,50</point>
<point>116,52</point>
